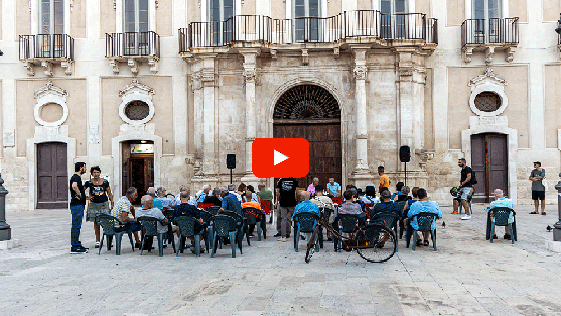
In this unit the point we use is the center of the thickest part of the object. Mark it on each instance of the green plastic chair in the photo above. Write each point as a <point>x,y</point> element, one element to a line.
<point>501,215</point>
<point>388,219</point>
<point>224,226</point>
<point>347,226</point>
<point>151,227</point>
<point>188,228</point>
<point>424,221</point>
<point>109,223</point>
<point>304,222</point>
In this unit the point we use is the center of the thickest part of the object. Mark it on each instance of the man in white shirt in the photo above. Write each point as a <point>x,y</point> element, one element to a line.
<point>232,189</point>
<point>149,210</point>
<point>321,200</point>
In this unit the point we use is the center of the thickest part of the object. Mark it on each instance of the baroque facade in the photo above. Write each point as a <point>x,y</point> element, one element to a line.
<point>158,92</point>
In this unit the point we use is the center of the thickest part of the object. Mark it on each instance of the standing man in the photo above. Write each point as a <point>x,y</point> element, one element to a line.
<point>538,189</point>
<point>77,205</point>
<point>333,188</point>
<point>465,188</point>
<point>286,195</point>
<point>384,180</point>
<point>312,187</point>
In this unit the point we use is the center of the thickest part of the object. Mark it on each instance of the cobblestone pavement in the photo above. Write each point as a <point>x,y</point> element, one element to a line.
<point>466,276</point>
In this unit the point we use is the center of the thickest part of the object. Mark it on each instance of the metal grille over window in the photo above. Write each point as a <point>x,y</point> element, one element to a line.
<point>487,102</point>
<point>307,102</point>
<point>137,110</point>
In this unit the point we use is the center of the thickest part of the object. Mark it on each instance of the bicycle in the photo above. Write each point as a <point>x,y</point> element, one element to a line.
<point>375,243</point>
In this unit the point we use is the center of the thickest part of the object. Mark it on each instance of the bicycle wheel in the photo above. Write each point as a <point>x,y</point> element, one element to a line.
<point>312,244</point>
<point>376,243</point>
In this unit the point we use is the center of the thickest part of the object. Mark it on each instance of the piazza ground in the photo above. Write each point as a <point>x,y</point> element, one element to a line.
<point>466,276</point>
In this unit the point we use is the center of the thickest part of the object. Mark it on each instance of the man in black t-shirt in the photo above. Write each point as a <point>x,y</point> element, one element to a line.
<point>286,195</point>
<point>77,205</point>
<point>465,188</point>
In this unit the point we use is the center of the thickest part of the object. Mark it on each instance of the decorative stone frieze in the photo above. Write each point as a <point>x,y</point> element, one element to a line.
<point>136,87</point>
<point>488,82</point>
<point>127,129</point>
<point>47,131</point>
<point>135,91</point>
<point>47,68</point>
<point>488,120</point>
<point>9,137</point>
<point>360,72</point>
<point>50,94</point>
<point>250,75</point>
<point>305,57</point>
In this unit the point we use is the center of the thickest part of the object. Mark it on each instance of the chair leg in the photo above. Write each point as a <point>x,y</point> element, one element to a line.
<point>109,242</point>
<point>264,228</point>
<point>233,245</point>
<point>339,242</point>
<point>408,234</point>
<point>395,232</point>
<point>320,238</point>
<point>258,227</point>
<point>296,239</point>
<point>170,233</point>
<point>213,248</point>
<point>101,243</point>
<point>161,245</point>
<point>211,244</point>
<point>142,245</point>
<point>246,232</point>
<point>198,245</point>
<point>511,233</point>
<point>414,245</point>
<point>433,236</point>
<point>118,239</point>
<point>180,246</point>
<point>492,232</point>
<point>130,239</point>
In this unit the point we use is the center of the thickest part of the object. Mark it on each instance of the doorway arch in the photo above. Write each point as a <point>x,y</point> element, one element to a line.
<point>312,112</point>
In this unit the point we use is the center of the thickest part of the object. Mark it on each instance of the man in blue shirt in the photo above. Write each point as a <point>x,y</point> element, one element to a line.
<point>423,205</point>
<point>230,202</point>
<point>202,196</point>
<point>501,201</point>
<point>333,188</point>
<point>306,205</point>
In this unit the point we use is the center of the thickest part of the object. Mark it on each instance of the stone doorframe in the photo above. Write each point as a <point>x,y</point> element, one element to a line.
<point>344,113</point>
<point>512,138</point>
<point>31,155</point>
<point>116,153</point>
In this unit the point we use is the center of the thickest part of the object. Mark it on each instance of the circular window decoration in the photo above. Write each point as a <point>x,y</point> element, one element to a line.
<point>50,111</point>
<point>488,101</point>
<point>137,110</point>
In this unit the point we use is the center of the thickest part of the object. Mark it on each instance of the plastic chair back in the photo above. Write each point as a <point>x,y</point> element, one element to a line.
<point>213,210</point>
<point>388,219</point>
<point>266,206</point>
<point>348,222</point>
<point>233,215</point>
<point>108,223</point>
<point>501,215</point>
<point>399,206</point>
<point>169,215</point>
<point>150,224</point>
<point>325,213</point>
<point>206,216</point>
<point>306,221</point>
<point>223,225</point>
<point>425,220</point>
<point>186,225</point>
<point>250,214</point>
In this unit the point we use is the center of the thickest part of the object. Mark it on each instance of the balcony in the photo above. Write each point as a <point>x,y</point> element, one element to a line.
<point>489,35</point>
<point>133,48</point>
<point>364,26</point>
<point>46,50</point>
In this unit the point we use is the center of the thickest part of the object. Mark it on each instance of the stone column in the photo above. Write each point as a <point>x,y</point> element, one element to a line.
<point>249,73</point>
<point>207,79</point>
<point>362,173</point>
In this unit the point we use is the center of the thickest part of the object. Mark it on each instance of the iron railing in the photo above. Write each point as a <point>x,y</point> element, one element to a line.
<point>490,31</point>
<point>349,24</point>
<point>132,44</point>
<point>46,46</point>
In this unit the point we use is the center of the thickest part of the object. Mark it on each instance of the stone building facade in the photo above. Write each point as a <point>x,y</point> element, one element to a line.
<point>157,92</point>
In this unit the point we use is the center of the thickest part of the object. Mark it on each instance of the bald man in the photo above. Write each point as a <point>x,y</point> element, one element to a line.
<point>501,201</point>
<point>306,205</point>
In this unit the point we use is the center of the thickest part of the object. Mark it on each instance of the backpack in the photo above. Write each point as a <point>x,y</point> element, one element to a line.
<point>473,179</point>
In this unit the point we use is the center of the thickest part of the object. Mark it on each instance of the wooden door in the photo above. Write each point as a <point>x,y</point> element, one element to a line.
<point>52,178</point>
<point>141,175</point>
<point>489,155</point>
<point>325,149</point>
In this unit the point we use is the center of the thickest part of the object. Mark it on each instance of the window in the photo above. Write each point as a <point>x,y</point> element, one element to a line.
<point>306,20</point>
<point>486,9</point>
<point>220,11</point>
<point>487,14</point>
<point>394,6</point>
<point>51,13</point>
<point>136,15</point>
<point>393,15</point>
<point>137,110</point>
<point>487,101</point>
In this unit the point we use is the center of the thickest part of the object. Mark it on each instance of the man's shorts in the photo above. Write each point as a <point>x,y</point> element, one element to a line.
<point>538,195</point>
<point>465,192</point>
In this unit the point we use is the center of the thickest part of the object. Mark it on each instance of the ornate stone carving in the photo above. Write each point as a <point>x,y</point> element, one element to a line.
<point>136,86</point>
<point>9,138</point>
<point>134,66</point>
<point>250,75</point>
<point>274,54</point>
<point>50,94</point>
<point>510,54</point>
<point>488,77</point>
<point>360,72</point>
<point>153,63</point>
<point>336,52</point>
<point>195,82</point>
<point>467,53</point>
<point>67,65</point>
<point>49,88</point>
<point>488,82</point>
<point>424,156</point>
<point>149,128</point>
<point>115,65</point>
<point>29,68</point>
<point>93,134</point>
<point>48,68</point>
<point>305,57</point>
<point>489,54</point>
<point>41,131</point>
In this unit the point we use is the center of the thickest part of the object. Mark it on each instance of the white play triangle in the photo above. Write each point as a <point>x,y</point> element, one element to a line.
<point>279,157</point>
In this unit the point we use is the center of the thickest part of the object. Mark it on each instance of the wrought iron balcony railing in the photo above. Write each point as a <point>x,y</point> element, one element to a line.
<point>490,31</point>
<point>132,44</point>
<point>46,46</point>
<point>351,24</point>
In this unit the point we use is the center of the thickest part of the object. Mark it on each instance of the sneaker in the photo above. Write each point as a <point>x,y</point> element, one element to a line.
<point>303,237</point>
<point>454,212</point>
<point>283,239</point>
<point>251,236</point>
<point>277,235</point>
<point>465,217</point>
<point>78,249</point>
<point>97,244</point>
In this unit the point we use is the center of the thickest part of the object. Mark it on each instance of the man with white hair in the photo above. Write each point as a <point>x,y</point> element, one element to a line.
<point>156,201</point>
<point>312,187</point>
<point>501,201</point>
<point>148,210</point>
<point>166,202</point>
<point>184,188</point>
<point>203,194</point>
<point>232,190</point>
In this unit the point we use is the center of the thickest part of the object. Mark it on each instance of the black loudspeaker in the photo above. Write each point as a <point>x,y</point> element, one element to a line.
<point>231,161</point>
<point>404,153</point>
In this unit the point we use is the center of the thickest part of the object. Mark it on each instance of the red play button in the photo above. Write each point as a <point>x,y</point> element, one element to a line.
<point>280,157</point>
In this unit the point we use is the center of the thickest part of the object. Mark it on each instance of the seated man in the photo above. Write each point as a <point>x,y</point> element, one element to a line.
<point>501,201</point>
<point>149,210</point>
<point>312,187</point>
<point>230,202</point>
<point>306,205</point>
<point>386,205</point>
<point>203,194</point>
<point>213,199</point>
<point>333,188</point>
<point>124,211</point>
<point>370,195</point>
<point>156,201</point>
<point>423,205</point>
<point>350,207</point>
<point>321,200</point>
<point>187,209</point>
<point>166,202</point>
<point>251,203</point>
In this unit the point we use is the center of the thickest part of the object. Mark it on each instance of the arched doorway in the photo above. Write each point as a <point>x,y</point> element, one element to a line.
<point>311,112</point>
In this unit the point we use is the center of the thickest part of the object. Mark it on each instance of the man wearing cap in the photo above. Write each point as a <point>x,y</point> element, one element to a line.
<point>538,189</point>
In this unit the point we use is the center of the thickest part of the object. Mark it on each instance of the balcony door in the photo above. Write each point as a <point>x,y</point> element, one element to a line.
<point>135,21</point>
<point>487,15</point>
<point>394,18</point>
<point>306,20</point>
<point>51,27</point>
<point>221,26</point>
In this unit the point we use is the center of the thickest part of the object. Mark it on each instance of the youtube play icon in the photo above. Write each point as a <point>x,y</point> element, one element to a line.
<point>280,157</point>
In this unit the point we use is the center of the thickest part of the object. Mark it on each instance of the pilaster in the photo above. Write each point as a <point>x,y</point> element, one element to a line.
<point>250,75</point>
